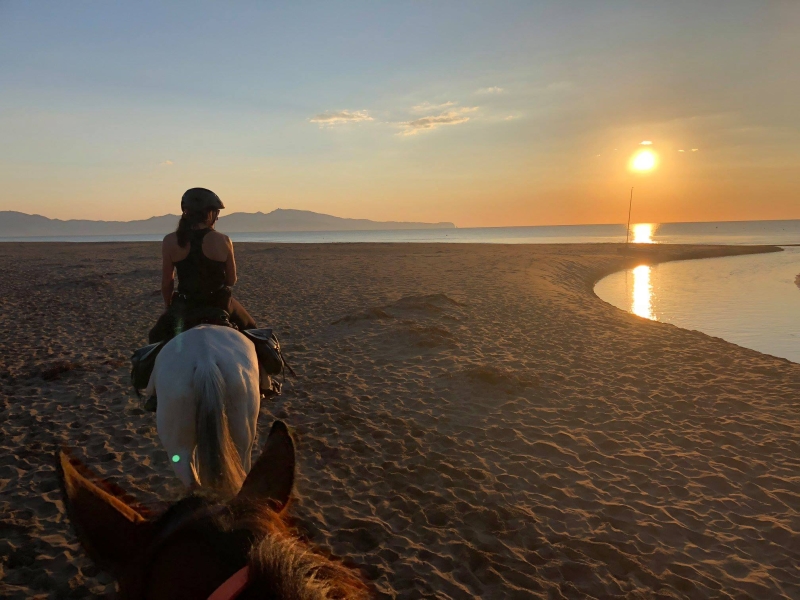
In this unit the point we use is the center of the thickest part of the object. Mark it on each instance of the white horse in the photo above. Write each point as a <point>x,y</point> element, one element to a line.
<point>207,384</point>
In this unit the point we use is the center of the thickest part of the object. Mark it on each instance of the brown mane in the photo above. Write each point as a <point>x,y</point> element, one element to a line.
<point>283,565</point>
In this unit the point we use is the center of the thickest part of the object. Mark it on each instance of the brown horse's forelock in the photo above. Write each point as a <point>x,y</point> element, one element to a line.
<point>281,565</point>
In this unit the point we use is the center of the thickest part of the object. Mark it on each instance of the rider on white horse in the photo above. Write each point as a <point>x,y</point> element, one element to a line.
<point>209,378</point>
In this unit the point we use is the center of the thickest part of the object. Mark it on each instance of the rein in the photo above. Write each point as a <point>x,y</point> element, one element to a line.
<point>234,585</point>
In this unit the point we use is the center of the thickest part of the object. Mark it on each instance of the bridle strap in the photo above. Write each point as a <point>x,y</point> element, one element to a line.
<point>234,585</point>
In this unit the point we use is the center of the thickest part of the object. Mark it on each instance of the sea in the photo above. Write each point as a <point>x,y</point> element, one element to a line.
<point>752,301</point>
<point>726,232</point>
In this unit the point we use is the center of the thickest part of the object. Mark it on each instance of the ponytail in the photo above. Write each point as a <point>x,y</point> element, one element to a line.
<point>189,218</point>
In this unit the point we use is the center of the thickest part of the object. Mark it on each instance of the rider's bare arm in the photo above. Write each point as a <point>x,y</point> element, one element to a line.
<point>230,265</point>
<point>167,270</point>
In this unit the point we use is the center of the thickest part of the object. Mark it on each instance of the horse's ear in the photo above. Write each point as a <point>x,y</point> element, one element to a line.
<point>272,477</point>
<point>111,531</point>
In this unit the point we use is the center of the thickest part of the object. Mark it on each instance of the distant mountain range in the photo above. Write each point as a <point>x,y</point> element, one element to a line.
<point>17,224</point>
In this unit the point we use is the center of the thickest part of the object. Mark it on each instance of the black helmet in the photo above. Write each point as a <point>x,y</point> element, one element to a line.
<point>200,199</point>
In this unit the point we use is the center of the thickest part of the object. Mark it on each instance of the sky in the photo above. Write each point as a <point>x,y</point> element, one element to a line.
<point>477,113</point>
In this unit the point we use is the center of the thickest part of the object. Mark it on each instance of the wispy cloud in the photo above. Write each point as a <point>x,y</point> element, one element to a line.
<point>646,143</point>
<point>450,117</point>
<point>340,117</point>
<point>491,90</point>
<point>166,163</point>
<point>429,107</point>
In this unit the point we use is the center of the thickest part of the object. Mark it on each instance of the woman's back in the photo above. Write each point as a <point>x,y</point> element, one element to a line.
<point>215,245</point>
<point>200,271</point>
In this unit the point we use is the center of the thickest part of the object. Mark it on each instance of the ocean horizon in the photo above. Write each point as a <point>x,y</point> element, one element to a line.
<point>778,232</point>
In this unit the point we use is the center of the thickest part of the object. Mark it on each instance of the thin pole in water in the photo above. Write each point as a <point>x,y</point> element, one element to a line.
<point>628,230</point>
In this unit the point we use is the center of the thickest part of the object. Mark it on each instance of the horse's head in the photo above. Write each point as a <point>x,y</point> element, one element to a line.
<point>196,546</point>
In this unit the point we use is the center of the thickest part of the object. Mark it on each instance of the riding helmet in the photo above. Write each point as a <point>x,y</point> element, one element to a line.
<point>200,199</point>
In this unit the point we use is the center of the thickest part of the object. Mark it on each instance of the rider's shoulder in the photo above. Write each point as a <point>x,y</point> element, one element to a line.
<point>220,236</point>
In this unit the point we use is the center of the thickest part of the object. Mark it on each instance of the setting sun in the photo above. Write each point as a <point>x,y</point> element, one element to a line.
<point>644,160</point>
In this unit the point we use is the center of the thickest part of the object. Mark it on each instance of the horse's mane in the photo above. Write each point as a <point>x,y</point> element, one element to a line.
<point>282,565</point>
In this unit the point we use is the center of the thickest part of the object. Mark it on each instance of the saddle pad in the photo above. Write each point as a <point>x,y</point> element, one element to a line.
<point>142,363</point>
<point>265,335</point>
<point>268,350</point>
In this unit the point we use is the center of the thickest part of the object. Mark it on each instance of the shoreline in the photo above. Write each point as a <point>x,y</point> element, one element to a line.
<point>471,419</point>
<point>694,252</point>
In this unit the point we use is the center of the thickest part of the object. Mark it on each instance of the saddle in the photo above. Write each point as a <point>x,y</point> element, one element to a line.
<point>206,315</point>
<point>271,362</point>
<point>268,350</point>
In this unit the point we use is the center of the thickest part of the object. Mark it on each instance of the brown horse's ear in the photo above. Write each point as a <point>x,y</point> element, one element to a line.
<point>272,477</point>
<point>110,530</point>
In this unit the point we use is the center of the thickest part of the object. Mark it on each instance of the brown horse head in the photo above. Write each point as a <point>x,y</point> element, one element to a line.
<point>197,545</point>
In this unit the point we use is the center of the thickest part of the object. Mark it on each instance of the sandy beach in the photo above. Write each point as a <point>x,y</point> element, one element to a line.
<point>471,420</point>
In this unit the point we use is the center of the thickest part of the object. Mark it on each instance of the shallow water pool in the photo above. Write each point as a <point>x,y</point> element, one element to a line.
<point>752,301</point>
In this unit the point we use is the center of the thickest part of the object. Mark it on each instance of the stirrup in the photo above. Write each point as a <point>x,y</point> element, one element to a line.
<point>267,385</point>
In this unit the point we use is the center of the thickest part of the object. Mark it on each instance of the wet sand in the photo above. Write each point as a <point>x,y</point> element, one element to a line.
<point>471,421</point>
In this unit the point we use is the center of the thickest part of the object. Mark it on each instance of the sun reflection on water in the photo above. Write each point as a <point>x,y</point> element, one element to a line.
<point>642,293</point>
<point>643,233</point>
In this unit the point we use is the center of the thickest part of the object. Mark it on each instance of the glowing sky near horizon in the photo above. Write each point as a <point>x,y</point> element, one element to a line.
<point>483,114</point>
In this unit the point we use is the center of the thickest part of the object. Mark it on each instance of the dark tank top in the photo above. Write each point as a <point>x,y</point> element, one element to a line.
<point>198,275</point>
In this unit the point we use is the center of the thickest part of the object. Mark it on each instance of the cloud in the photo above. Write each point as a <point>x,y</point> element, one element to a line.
<point>339,117</point>
<point>695,149</point>
<point>166,163</point>
<point>646,143</point>
<point>428,107</point>
<point>491,90</point>
<point>450,117</point>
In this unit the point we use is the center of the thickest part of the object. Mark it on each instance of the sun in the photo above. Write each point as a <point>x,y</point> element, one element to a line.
<point>644,160</point>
